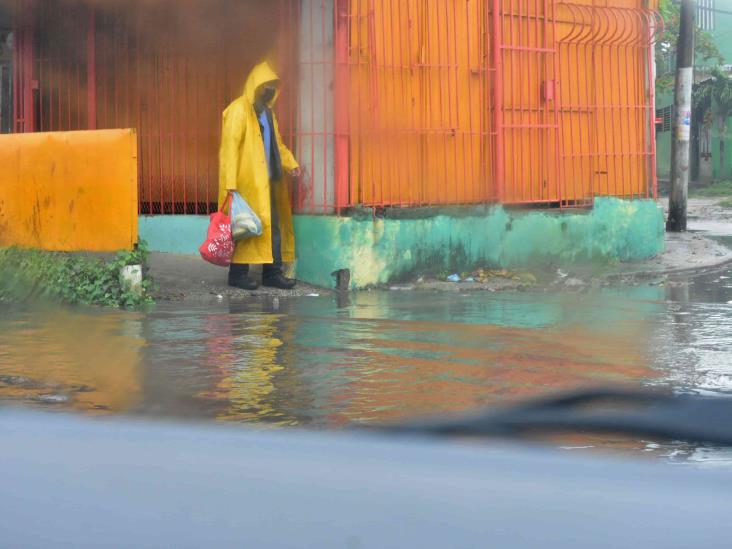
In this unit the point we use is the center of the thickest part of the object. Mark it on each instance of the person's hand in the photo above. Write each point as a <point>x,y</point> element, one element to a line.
<point>301,176</point>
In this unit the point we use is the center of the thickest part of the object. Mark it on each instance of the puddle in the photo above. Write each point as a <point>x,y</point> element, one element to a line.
<point>324,362</point>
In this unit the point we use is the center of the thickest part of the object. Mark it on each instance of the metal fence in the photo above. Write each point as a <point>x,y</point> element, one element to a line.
<point>386,103</point>
<point>606,101</point>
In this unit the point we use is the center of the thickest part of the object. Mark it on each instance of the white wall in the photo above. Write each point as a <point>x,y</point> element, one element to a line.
<point>315,104</point>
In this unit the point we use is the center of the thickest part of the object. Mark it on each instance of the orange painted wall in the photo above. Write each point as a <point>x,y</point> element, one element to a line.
<point>418,113</point>
<point>574,76</point>
<point>69,191</point>
<point>420,119</point>
<point>605,111</point>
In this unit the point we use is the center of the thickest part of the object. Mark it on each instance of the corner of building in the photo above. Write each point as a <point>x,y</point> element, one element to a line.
<point>383,250</point>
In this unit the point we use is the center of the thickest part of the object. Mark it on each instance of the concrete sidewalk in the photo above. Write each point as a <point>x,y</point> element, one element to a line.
<point>685,252</point>
<point>189,277</point>
<point>702,248</point>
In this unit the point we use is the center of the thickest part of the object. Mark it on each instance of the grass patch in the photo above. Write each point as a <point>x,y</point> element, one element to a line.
<point>715,190</point>
<point>74,279</point>
<point>726,203</point>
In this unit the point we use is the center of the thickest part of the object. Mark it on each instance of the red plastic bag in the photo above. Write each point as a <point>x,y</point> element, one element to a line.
<point>219,245</point>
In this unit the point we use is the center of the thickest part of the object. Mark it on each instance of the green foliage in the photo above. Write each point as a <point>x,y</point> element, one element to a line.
<point>722,94</point>
<point>712,99</point>
<point>723,188</point>
<point>726,203</point>
<point>701,103</point>
<point>34,274</point>
<point>714,94</point>
<point>705,48</point>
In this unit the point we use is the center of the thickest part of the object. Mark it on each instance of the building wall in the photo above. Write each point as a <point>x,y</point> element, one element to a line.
<point>166,68</point>
<point>568,115</point>
<point>69,191</point>
<point>452,103</point>
<point>722,36</point>
<point>721,31</point>
<point>663,155</point>
<point>663,148</point>
<point>439,103</point>
<point>379,251</point>
<point>717,172</point>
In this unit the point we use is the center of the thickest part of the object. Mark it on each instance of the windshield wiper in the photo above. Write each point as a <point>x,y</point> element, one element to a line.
<point>690,418</point>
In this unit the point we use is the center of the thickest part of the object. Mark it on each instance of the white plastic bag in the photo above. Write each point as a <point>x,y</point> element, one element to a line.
<point>244,222</point>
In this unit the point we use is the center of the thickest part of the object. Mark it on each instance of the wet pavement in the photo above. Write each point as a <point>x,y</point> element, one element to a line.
<point>328,361</point>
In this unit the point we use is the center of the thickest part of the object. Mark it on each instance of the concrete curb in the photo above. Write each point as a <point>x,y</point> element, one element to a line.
<point>688,248</point>
<point>667,272</point>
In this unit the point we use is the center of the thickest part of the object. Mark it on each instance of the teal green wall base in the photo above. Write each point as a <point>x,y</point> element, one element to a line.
<point>176,234</point>
<point>379,251</point>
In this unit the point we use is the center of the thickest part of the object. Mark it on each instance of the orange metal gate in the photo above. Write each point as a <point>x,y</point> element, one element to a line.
<point>606,101</point>
<point>525,57</point>
<point>417,102</point>
<point>419,105</point>
<point>520,101</point>
<point>105,65</point>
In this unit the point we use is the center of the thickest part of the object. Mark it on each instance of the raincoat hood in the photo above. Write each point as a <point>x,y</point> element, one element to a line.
<point>261,74</point>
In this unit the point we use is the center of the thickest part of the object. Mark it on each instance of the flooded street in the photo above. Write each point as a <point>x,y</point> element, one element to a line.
<point>324,362</point>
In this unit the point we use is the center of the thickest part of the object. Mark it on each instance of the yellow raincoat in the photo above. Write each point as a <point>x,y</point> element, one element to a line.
<point>243,167</point>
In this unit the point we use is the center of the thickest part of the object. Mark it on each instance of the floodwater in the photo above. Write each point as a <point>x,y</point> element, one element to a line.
<point>325,362</point>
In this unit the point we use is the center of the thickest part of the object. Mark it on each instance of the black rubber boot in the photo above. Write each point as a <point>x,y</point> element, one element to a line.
<point>239,278</point>
<point>280,281</point>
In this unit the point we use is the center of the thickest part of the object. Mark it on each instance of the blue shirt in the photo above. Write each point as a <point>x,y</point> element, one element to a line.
<point>267,139</point>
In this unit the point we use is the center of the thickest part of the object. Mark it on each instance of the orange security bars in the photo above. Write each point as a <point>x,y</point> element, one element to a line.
<point>387,103</point>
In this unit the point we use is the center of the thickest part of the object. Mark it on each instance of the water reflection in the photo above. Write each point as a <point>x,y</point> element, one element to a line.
<point>322,362</point>
<point>87,361</point>
<point>326,362</point>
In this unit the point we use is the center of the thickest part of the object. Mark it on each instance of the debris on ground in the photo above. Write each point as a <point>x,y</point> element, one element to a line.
<point>480,279</point>
<point>487,275</point>
<point>573,283</point>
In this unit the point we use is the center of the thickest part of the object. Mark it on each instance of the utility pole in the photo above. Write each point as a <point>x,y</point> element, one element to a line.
<point>682,119</point>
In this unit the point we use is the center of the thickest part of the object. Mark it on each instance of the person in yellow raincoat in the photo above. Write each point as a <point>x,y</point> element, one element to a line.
<point>253,162</point>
